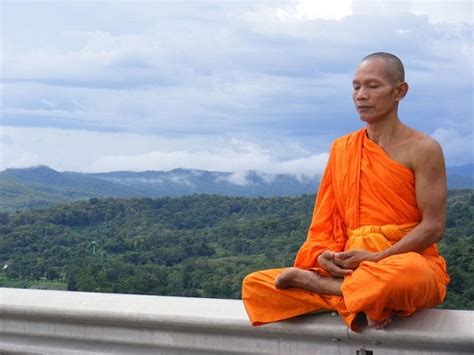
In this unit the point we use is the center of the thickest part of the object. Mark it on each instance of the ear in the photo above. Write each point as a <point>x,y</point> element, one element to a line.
<point>401,91</point>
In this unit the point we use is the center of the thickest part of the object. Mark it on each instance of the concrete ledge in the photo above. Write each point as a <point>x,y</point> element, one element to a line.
<point>38,321</point>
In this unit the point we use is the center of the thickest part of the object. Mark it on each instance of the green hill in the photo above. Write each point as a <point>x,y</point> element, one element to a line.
<point>199,245</point>
<point>42,186</point>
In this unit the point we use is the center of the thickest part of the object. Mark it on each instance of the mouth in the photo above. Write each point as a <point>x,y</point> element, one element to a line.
<point>363,107</point>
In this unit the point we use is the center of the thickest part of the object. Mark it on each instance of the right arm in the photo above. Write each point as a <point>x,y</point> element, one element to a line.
<point>326,233</point>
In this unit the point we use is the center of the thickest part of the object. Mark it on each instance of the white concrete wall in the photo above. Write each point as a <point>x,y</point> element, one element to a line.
<point>59,322</point>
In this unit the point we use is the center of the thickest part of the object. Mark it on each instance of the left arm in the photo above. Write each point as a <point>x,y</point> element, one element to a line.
<point>431,192</point>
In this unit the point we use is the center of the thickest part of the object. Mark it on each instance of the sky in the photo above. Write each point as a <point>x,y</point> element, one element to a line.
<point>97,86</point>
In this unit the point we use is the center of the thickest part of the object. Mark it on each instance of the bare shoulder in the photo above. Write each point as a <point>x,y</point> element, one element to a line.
<point>425,151</point>
<point>427,159</point>
<point>430,176</point>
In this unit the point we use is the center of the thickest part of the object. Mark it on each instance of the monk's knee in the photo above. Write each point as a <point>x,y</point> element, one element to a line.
<point>250,280</point>
<point>410,262</point>
<point>409,269</point>
<point>412,278</point>
<point>259,279</point>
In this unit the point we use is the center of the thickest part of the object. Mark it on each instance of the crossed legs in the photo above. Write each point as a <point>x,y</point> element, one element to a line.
<point>311,281</point>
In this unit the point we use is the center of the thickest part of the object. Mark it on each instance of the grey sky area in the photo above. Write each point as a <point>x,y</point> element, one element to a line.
<point>219,85</point>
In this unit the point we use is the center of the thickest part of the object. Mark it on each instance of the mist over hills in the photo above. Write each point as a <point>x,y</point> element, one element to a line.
<point>461,177</point>
<point>42,186</point>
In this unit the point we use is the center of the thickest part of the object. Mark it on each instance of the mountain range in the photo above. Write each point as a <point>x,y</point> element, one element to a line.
<point>42,186</point>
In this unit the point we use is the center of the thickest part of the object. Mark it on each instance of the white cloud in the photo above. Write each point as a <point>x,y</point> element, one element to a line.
<point>181,180</point>
<point>89,151</point>
<point>437,11</point>
<point>238,159</point>
<point>24,160</point>
<point>379,7</point>
<point>237,85</point>
<point>238,178</point>
<point>268,178</point>
<point>458,147</point>
<point>306,10</point>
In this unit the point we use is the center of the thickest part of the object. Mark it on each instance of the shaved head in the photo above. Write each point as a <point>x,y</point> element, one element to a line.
<point>392,64</point>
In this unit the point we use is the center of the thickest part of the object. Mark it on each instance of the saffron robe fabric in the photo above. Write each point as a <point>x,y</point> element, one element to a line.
<point>365,201</point>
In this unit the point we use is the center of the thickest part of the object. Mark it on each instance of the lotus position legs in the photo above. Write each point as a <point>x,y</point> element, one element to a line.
<point>311,281</point>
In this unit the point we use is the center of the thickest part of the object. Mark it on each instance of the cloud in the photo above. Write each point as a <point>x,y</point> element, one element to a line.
<point>5,139</point>
<point>24,160</point>
<point>457,146</point>
<point>261,72</point>
<point>181,180</point>
<point>436,11</point>
<point>237,158</point>
<point>444,12</point>
<point>89,151</point>
<point>306,10</point>
<point>238,178</point>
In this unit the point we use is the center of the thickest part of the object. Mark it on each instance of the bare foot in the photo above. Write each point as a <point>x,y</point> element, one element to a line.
<point>379,324</point>
<point>308,280</point>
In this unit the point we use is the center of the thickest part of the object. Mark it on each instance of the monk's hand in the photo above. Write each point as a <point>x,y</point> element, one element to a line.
<point>352,258</point>
<point>327,262</point>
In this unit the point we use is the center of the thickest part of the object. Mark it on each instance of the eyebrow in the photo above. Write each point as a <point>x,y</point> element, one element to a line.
<point>367,80</point>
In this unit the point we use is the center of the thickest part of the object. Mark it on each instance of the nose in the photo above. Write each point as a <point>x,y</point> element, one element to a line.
<point>361,94</point>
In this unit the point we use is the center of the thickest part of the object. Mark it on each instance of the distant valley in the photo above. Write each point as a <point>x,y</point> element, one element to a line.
<point>42,186</point>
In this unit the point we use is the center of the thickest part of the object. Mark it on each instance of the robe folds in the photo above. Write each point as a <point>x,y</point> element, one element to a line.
<point>367,201</point>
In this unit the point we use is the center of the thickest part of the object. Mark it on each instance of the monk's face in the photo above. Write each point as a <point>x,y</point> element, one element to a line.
<point>375,94</point>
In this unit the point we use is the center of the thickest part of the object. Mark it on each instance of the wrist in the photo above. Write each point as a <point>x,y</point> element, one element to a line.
<point>319,260</point>
<point>377,256</point>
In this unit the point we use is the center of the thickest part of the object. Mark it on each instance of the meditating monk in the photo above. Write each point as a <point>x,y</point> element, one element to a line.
<point>371,247</point>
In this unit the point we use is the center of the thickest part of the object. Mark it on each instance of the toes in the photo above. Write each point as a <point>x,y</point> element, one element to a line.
<point>294,277</point>
<point>282,280</point>
<point>279,282</point>
<point>379,324</point>
<point>383,324</point>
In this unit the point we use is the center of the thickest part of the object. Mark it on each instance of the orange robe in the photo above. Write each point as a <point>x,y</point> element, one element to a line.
<point>365,201</point>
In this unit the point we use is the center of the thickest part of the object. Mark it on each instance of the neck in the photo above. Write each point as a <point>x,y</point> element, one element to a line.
<point>384,132</point>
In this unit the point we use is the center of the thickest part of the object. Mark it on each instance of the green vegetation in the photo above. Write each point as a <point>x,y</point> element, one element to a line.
<point>41,187</point>
<point>458,249</point>
<point>197,245</point>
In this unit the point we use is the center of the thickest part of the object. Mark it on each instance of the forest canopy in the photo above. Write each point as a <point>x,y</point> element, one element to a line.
<point>198,245</point>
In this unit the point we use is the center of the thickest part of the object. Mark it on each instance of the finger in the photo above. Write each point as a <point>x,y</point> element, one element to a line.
<point>330,267</point>
<point>344,255</point>
<point>341,273</point>
<point>328,254</point>
<point>337,271</point>
<point>334,269</point>
<point>344,264</point>
<point>341,264</point>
